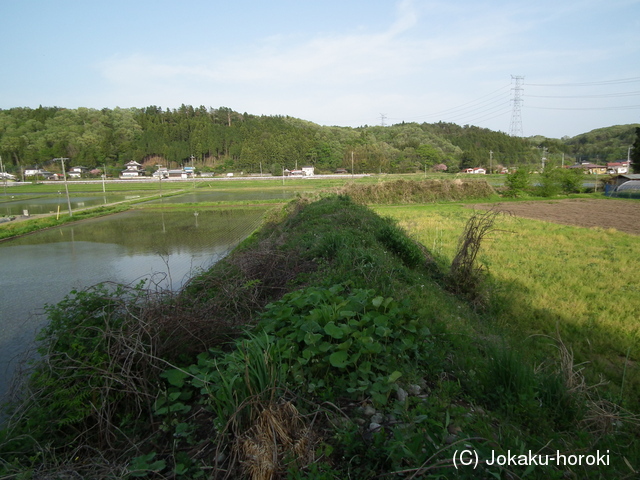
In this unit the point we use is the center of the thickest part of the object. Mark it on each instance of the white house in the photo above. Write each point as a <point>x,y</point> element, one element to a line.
<point>30,172</point>
<point>134,169</point>
<point>478,170</point>
<point>617,168</point>
<point>76,172</point>
<point>308,171</point>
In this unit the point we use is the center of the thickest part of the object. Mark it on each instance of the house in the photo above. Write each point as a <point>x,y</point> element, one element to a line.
<point>134,169</point>
<point>296,173</point>
<point>341,171</point>
<point>477,170</point>
<point>590,168</point>
<point>177,173</point>
<point>161,173</point>
<point>7,176</point>
<point>308,171</point>
<point>32,172</point>
<point>77,172</point>
<point>617,168</point>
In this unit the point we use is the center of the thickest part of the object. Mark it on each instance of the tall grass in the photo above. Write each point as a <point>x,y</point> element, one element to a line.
<point>414,191</point>
<point>548,278</point>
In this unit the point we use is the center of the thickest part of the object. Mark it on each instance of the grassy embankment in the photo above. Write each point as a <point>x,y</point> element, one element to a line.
<point>364,364</point>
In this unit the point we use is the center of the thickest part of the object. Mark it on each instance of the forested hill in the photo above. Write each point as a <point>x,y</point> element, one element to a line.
<point>224,140</point>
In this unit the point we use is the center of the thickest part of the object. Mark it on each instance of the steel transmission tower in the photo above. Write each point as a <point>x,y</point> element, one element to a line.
<point>515,130</point>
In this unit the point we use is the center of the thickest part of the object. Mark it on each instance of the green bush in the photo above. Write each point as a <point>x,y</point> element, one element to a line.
<point>561,180</point>
<point>517,182</point>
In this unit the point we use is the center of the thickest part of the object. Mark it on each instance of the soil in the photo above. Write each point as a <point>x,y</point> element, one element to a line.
<point>623,215</point>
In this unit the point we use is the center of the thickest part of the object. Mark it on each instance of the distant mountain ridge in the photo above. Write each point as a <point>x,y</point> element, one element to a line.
<point>222,139</point>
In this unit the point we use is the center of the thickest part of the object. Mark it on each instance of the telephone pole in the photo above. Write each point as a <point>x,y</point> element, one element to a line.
<point>66,186</point>
<point>515,130</point>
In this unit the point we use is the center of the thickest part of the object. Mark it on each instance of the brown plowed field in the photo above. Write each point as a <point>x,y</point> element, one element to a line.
<point>610,213</point>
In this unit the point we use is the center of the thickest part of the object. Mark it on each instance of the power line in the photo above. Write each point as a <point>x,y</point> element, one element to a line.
<point>622,107</point>
<point>603,95</point>
<point>587,84</point>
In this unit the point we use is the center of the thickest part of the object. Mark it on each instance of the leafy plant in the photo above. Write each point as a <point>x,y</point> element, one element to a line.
<point>341,342</point>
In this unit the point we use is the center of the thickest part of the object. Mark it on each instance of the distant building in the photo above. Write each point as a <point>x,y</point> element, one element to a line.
<point>32,172</point>
<point>477,170</point>
<point>162,172</point>
<point>177,173</point>
<point>77,172</point>
<point>303,172</point>
<point>622,179</point>
<point>134,169</point>
<point>591,168</point>
<point>618,168</point>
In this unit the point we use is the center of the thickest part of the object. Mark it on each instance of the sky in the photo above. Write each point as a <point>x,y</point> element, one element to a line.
<point>551,68</point>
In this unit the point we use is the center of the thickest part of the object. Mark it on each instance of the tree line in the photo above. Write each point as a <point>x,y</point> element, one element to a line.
<point>220,139</point>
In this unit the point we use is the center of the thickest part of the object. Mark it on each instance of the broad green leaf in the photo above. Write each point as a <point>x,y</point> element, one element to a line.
<point>381,320</point>
<point>333,330</point>
<point>312,338</point>
<point>175,377</point>
<point>376,302</point>
<point>394,376</point>
<point>339,359</point>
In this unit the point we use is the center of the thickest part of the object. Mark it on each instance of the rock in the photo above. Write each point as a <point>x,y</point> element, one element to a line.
<point>374,427</point>
<point>414,389</point>
<point>377,418</point>
<point>369,410</point>
<point>402,395</point>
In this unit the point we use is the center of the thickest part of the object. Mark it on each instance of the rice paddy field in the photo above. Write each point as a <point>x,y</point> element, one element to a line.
<point>552,280</point>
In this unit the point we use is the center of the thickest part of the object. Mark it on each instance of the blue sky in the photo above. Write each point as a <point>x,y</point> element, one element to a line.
<point>333,62</point>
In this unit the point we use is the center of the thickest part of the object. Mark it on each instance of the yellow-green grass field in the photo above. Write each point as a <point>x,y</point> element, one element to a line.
<point>582,284</point>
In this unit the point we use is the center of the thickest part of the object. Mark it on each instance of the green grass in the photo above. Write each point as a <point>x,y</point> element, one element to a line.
<point>327,311</point>
<point>548,278</point>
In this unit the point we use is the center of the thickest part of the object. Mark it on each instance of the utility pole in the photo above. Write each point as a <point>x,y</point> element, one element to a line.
<point>490,162</point>
<point>383,117</point>
<point>4,177</point>
<point>66,186</point>
<point>352,163</point>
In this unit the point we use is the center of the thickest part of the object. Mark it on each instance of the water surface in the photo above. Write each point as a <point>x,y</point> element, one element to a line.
<point>163,248</point>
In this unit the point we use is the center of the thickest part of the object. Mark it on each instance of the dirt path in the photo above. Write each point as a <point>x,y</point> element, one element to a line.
<point>623,215</point>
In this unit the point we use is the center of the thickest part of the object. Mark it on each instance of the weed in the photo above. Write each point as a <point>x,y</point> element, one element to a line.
<point>465,274</point>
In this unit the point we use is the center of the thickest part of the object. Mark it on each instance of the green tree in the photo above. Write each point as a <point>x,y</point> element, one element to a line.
<point>517,182</point>
<point>561,180</point>
<point>635,153</point>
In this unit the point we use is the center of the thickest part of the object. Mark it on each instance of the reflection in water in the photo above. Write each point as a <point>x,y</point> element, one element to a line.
<point>16,204</point>
<point>163,248</point>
